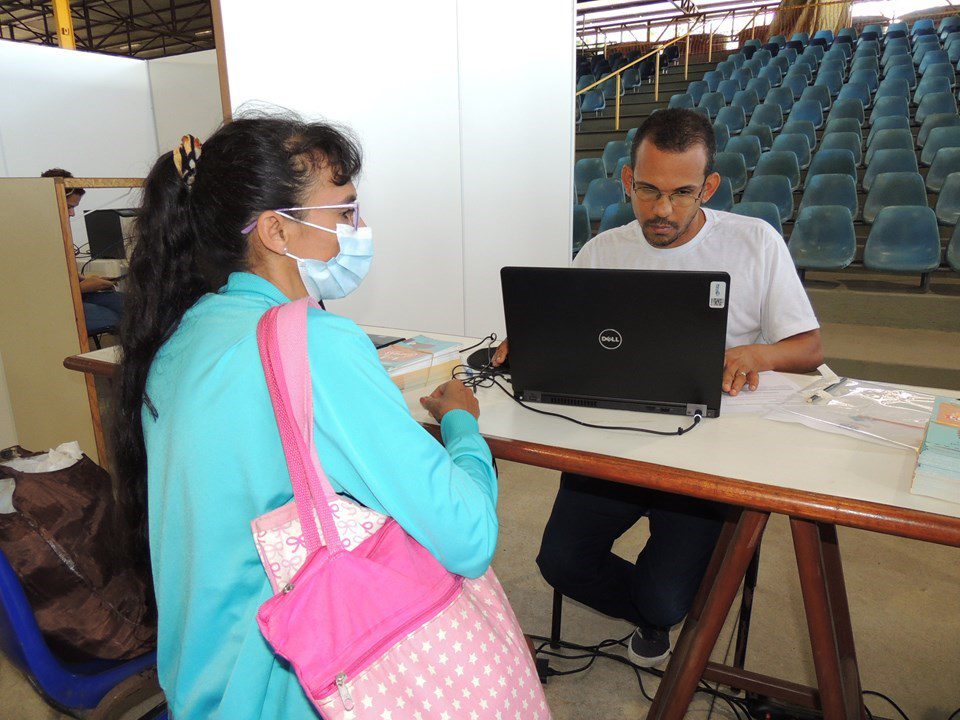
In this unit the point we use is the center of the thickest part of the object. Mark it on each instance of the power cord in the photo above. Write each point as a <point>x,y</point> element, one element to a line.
<point>896,707</point>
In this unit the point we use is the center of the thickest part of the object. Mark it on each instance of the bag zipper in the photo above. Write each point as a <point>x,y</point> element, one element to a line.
<point>345,696</point>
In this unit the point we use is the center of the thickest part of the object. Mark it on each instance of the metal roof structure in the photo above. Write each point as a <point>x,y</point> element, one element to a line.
<point>133,28</point>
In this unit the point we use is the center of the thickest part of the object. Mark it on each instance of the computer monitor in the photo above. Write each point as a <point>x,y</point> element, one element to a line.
<point>107,232</point>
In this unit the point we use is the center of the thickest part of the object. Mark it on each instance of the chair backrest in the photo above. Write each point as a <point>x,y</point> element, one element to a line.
<point>742,76</point>
<point>847,109</point>
<point>712,102</point>
<point>795,143</point>
<point>592,101</point>
<point>808,110</point>
<point>584,81</point>
<point>865,62</point>
<point>612,152</point>
<point>802,127</point>
<point>728,88</point>
<point>696,89</point>
<point>681,100</point>
<point>943,69</point>
<point>782,97</point>
<point>616,216</point>
<point>801,68</point>
<point>601,193</point>
<point>765,211</point>
<point>761,132</point>
<point>903,239</point>
<point>585,170</point>
<point>945,162</point>
<point>712,78</point>
<point>771,74</point>
<point>932,57</point>
<point>844,141</point>
<point>832,161</point>
<point>581,226</point>
<point>722,135</point>
<point>760,85</point>
<point>823,238</point>
<point>779,162</point>
<point>831,79</point>
<point>769,115</point>
<point>796,83</point>
<point>732,166</point>
<point>890,122</point>
<point>934,121</point>
<point>890,106</point>
<point>843,125</point>
<point>746,99</point>
<point>870,78</point>
<point>733,117</point>
<point>831,189</point>
<point>748,146</point>
<point>938,138</point>
<point>895,188</point>
<point>771,188</point>
<point>935,103</point>
<point>904,72</point>
<point>722,199</point>
<point>893,139</point>
<point>893,87</point>
<point>884,161</point>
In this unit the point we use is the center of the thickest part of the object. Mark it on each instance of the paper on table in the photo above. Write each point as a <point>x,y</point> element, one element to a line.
<point>773,389</point>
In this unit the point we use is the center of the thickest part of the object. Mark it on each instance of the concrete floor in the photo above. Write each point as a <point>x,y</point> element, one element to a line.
<point>904,599</point>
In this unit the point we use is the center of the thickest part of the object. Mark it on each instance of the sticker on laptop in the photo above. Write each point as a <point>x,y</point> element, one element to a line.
<point>718,294</point>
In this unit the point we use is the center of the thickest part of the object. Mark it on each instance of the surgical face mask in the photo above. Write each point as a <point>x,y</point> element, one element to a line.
<point>342,274</point>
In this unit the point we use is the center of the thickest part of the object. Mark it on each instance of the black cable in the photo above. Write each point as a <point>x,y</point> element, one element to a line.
<point>892,703</point>
<point>490,339</point>
<point>954,714</point>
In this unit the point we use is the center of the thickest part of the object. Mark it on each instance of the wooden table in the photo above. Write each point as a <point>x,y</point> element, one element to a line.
<point>758,467</point>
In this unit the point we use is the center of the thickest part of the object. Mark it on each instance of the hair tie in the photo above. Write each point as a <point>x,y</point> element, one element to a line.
<point>185,157</point>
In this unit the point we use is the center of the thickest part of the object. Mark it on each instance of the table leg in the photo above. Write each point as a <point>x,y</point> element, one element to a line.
<point>735,549</point>
<point>828,618</point>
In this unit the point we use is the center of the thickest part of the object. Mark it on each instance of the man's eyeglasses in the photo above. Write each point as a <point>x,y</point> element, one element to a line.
<point>681,199</point>
<point>350,216</point>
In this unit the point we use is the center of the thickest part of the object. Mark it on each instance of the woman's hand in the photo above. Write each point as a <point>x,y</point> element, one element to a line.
<point>500,356</point>
<point>452,395</point>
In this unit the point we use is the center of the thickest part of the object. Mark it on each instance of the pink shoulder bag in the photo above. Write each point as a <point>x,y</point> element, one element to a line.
<point>375,627</point>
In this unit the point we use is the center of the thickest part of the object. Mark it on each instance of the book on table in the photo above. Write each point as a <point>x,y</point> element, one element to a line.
<point>420,361</point>
<point>938,463</point>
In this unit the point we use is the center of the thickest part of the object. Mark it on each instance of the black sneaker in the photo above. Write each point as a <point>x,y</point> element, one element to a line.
<point>648,647</point>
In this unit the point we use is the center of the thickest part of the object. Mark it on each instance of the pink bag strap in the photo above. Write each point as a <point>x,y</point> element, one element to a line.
<point>282,340</point>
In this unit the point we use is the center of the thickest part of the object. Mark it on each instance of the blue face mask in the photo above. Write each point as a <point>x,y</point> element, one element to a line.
<point>342,274</point>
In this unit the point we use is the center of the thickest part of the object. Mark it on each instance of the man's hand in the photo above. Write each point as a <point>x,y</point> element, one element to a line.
<point>500,356</point>
<point>94,283</point>
<point>452,395</point>
<point>742,366</point>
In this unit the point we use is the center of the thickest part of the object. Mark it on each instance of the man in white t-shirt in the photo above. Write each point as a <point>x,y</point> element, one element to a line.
<point>770,326</point>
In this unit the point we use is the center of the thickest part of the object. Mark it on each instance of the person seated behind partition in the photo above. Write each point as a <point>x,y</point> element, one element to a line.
<point>102,304</point>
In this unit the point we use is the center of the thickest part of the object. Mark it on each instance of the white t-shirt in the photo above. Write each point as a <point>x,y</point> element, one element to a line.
<point>767,299</point>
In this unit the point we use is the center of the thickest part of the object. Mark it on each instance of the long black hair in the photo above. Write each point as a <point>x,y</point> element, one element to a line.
<point>189,240</point>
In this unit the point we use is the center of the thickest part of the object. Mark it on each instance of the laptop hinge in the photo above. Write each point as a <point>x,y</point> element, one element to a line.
<point>700,410</point>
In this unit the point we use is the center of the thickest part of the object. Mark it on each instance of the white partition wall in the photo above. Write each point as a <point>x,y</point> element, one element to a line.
<point>185,90</point>
<point>466,123</point>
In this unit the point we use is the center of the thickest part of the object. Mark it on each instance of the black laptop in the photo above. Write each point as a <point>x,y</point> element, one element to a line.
<point>645,340</point>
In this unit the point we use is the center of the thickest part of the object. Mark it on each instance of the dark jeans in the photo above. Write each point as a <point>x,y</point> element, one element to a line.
<point>658,590</point>
<point>102,310</point>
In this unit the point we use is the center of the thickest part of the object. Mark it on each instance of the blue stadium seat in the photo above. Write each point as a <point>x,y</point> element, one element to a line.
<point>831,80</point>
<point>712,78</point>
<point>802,127</point>
<point>831,65</point>
<point>797,144</point>
<point>802,37</point>
<point>601,193</point>
<point>948,201</point>
<point>921,24</point>
<point>763,56</point>
<point>824,34</point>
<point>847,109</point>
<point>616,215</point>
<point>592,101</point>
<point>848,32</point>
<point>944,70</point>
<point>722,199</point>
<point>953,251</point>
<point>612,152</point>
<point>856,91</point>
<point>894,189</point>
<point>780,40</point>
<point>939,138</point>
<point>585,170</point>
<point>732,166</point>
<point>898,59</point>
<point>893,87</point>
<point>868,63</point>
<point>843,141</point>
<point>896,139</point>
<point>890,122</point>
<point>904,239</point>
<point>742,77</point>
<point>934,104</point>
<point>802,69</point>
<point>823,238</point>
<point>585,81</point>
<point>779,162</point>
<point>618,173</point>
<point>733,117</point>
<point>748,146</point>
<point>890,161</point>
<point>843,125</point>
<point>808,110</point>
<point>581,227</point>
<point>866,77</point>
<point>796,84</point>
<point>948,24</point>
<point>754,66</point>
<point>766,211</point>
<point>782,62</point>
<point>631,134</point>
<point>762,132</point>
<point>696,89</point>
<point>761,86</point>
<point>746,99</point>
<point>934,121</point>
<point>769,115</point>
<point>933,57</point>
<point>903,72</point>
<point>867,46</point>
<point>771,74</point>
<point>722,135</point>
<point>945,162</point>
<point>681,100</point>
<point>712,102</point>
<point>728,89</point>
<point>890,106</point>
<point>831,189</point>
<point>609,89</point>
<point>832,162</point>
<point>782,97</point>
<point>631,78</point>
<point>771,188</point>
<point>726,69</point>
<point>737,59</point>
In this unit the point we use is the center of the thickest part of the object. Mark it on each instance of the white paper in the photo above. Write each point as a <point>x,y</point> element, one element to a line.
<point>60,457</point>
<point>7,486</point>
<point>772,390</point>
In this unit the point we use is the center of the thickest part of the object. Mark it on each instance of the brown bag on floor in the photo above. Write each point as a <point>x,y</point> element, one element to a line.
<point>88,604</point>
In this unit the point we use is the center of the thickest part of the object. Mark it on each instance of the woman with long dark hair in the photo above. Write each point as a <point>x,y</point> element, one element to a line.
<point>263,213</point>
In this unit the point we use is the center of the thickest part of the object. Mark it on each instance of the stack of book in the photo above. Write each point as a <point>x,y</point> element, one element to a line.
<point>420,361</point>
<point>938,465</point>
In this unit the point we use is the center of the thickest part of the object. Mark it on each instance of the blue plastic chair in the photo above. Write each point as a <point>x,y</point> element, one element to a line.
<point>771,74</point>
<point>903,72</point>
<point>748,146</point>
<point>722,135</point>
<point>818,93</point>
<point>762,132</point>
<point>823,238</point>
<point>887,161</point>
<point>769,115</point>
<point>896,139</point>
<point>904,240</point>
<point>833,65</point>
<point>782,97</point>
<point>893,87</point>
<point>731,165</point>
<point>617,215</point>
<point>946,161</point>
<point>844,141</point>
<point>612,152</point>
<point>742,76</point>
<point>801,127</point>
<point>942,70</point>
<point>891,189</point>
<point>728,88</point>
<point>948,24</point>
<point>935,104</point>
<point>940,137</point>
<point>867,62</point>
<point>831,80</point>
<point>585,81</point>
<point>733,117</point>
<point>761,86</point>
<point>843,125</point>
<point>581,227</point>
<point>631,134</point>
<point>832,162</point>
<point>774,189</point>
<point>902,60</point>
<point>592,101</point>
<point>935,121</point>
<point>890,122</point>
<point>746,99</point>
<point>712,78</point>
<point>779,162</point>
<point>754,66</point>
<point>696,89</point>
<point>601,193</point>
<point>848,32</point>
<point>795,143</point>
<point>681,100</point>
<point>808,110</point>
<point>824,34</point>
<point>802,69</point>
<point>890,106</point>
<point>802,37</point>
<point>763,56</point>
<point>76,687</point>
<point>953,250</point>
<point>831,189</point>
<point>585,170</point>
<point>722,199</point>
<point>726,69</point>
<point>766,211</point>
<point>711,102</point>
<point>933,57</point>
<point>847,109</point>
<point>921,24</point>
<point>796,85</point>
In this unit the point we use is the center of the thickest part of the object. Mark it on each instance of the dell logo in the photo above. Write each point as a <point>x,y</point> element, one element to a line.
<point>610,339</point>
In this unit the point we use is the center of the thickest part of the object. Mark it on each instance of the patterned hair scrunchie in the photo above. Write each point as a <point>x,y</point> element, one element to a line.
<point>185,157</point>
